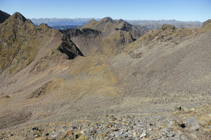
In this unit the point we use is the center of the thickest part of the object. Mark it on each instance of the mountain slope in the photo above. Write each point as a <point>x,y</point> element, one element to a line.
<point>21,41</point>
<point>166,65</point>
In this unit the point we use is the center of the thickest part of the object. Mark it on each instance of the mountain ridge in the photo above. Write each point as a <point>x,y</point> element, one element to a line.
<point>106,36</point>
<point>150,24</point>
<point>17,30</point>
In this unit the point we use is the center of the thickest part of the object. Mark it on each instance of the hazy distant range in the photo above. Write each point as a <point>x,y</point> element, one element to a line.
<point>63,23</point>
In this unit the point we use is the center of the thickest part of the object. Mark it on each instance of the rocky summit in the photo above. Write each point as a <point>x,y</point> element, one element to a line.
<point>106,80</point>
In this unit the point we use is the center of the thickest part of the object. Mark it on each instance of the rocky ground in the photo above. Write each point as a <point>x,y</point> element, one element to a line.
<point>182,123</point>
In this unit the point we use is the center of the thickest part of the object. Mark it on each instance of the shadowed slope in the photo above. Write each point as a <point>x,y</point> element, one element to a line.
<point>3,16</point>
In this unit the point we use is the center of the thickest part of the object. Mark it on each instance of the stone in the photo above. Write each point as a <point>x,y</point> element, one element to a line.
<point>145,139</point>
<point>40,138</point>
<point>114,129</point>
<point>195,127</point>
<point>185,109</point>
<point>193,109</point>
<point>143,135</point>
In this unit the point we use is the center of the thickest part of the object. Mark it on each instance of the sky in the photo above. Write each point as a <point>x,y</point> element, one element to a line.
<point>183,10</point>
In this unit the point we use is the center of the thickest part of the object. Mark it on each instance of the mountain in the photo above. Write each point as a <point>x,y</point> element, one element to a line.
<point>154,87</point>
<point>61,21</point>
<point>106,36</point>
<point>154,24</point>
<point>150,24</point>
<point>3,16</point>
<point>108,23</point>
<point>65,27</point>
<point>21,42</point>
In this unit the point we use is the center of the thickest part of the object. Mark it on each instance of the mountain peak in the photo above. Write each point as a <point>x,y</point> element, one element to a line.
<point>107,19</point>
<point>167,27</point>
<point>19,16</point>
<point>121,20</point>
<point>93,20</point>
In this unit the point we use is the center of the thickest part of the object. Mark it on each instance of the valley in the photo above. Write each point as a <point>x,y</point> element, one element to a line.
<point>108,79</point>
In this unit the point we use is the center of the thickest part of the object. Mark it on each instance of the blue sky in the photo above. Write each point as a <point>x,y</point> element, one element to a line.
<point>184,10</point>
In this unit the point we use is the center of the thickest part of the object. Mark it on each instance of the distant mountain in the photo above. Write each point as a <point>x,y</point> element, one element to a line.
<point>154,24</point>
<point>150,24</point>
<point>106,36</point>
<point>3,16</point>
<point>108,23</point>
<point>65,27</point>
<point>61,21</point>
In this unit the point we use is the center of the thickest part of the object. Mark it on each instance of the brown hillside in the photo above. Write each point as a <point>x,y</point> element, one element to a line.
<point>106,36</point>
<point>21,42</point>
<point>108,23</point>
<point>166,65</point>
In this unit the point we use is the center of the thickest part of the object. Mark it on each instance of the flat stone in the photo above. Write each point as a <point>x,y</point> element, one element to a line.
<point>143,135</point>
<point>193,109</point>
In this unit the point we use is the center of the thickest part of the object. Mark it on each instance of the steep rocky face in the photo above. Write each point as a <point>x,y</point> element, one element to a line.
<point>85,31</point>
<point>69,48</point>
<point>3,16</point>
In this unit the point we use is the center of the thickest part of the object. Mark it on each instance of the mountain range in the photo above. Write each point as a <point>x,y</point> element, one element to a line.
<point>150,24</point>
<point>61,21</point>
<point>54,84</point>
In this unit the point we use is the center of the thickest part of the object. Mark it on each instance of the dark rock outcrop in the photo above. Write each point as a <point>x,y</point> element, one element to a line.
<point>3,16</point>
